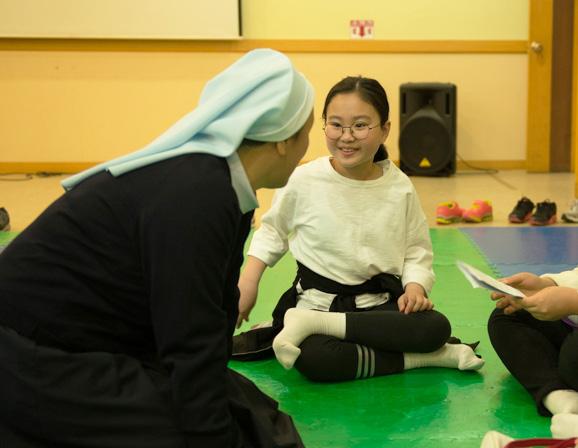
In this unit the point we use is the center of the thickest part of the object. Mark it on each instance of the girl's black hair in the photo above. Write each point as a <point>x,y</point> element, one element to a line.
<point>371,92</point>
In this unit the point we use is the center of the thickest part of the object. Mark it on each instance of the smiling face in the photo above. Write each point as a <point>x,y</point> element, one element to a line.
<point>352,157</point>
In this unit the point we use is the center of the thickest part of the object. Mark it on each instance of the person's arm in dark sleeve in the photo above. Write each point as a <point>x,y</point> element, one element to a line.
<point>187,242</point>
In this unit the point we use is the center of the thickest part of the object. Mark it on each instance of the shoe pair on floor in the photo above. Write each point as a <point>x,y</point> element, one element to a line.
<point>543,215</point>
<point>450,212</point>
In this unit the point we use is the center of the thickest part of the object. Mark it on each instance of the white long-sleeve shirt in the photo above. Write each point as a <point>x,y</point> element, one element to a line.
<point>570,280</point>
<point>347,230</point>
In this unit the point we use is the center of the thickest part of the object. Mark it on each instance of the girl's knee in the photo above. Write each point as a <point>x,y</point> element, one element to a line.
<point>311,367</point>
<point>430,330</point>
<point>322,359</point>
<point>436,333</point>
<point>444,328</point>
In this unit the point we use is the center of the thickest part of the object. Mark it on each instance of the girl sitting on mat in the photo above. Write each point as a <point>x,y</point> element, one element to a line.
<point>537,340</point>
<point>359,305</point>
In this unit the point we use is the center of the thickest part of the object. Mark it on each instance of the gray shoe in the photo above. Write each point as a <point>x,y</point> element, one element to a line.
<point>572,214</point>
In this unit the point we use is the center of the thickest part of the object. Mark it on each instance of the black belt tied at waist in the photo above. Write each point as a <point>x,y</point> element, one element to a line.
<point>257,344</point>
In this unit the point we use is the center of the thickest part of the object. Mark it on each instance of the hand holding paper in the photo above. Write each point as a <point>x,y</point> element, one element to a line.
<point>480,280</point>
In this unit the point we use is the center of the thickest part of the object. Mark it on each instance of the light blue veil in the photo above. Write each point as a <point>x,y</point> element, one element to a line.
<point>260,97</point>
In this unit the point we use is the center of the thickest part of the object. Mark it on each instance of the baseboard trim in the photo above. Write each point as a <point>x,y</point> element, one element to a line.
<point>491,165</point>
<point>285,45</point>
<point>44,167</point>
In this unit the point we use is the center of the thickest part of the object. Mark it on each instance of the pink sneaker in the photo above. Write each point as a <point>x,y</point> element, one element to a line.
<point>480,211</point>
<point>448,212</point>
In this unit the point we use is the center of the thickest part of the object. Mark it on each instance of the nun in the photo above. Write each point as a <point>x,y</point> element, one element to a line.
<point>119,302</point>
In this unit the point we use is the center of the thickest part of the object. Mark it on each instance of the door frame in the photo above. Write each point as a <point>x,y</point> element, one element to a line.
<point>550,126</point>
<point>575,103</point>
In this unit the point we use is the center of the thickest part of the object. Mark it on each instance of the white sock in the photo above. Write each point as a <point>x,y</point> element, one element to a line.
<point>298,324</point>
<point>562,401</point>
<point>495,439</point>
<point>454,356</point>
<point>564,426</point>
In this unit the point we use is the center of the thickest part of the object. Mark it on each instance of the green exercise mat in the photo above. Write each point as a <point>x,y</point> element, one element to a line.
<point>429,407</point>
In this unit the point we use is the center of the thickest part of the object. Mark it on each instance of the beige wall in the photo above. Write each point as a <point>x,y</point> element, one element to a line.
<point>394,19</point>
<point>491,108</point>
<point>91,105</point>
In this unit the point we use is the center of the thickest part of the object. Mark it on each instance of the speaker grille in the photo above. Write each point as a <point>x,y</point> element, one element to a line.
<point>424,142</point>
<point>427,139</point>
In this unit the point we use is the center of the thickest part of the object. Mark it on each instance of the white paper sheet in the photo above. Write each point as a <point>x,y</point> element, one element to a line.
<point>480,280</point>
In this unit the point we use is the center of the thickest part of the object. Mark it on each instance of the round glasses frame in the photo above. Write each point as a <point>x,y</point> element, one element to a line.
<point>334,132</point>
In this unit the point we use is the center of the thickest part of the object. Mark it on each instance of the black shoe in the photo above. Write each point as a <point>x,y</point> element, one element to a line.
<point>522,211</point>
<point>545,214</point>
<point>4,220</point>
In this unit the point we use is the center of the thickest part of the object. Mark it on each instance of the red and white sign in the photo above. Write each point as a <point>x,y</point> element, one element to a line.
<point>361,29</point>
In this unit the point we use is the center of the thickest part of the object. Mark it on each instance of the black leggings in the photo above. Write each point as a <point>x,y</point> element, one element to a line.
<point>374,344</point>
<point>541,355</point>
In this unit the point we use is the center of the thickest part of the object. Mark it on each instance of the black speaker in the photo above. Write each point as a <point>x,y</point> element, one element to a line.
<point>427,134</point>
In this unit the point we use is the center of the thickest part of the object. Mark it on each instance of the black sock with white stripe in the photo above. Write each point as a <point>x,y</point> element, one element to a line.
<point>365,362</point>
<point>325,358</point>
